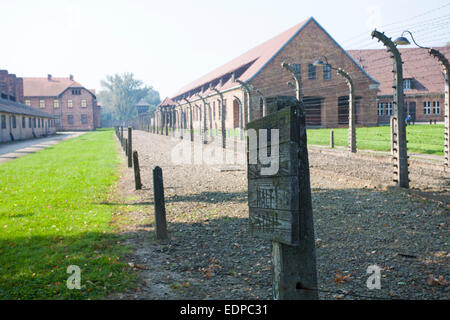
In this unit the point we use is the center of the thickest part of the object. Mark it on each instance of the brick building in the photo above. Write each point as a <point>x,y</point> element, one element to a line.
<point>325,93</point>
<point>424,82</point>
<point>74,106</point>
<point>18,121</point>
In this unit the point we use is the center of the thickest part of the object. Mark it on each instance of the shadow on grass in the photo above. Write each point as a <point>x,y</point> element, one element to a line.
<point>36,267</point>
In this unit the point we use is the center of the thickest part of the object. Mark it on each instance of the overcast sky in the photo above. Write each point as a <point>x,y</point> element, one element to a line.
<point>168,43</point>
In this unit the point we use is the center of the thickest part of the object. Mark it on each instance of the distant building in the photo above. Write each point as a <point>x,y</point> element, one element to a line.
<point>424,82</point>
<point>18,121</point>
<point>74,106</point>
<point>142,107</point>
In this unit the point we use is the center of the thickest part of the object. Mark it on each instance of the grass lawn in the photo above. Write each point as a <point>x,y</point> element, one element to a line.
<point>426,139</point>
<point>52,216</point>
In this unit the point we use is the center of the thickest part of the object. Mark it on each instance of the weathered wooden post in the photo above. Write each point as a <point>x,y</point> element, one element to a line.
<point>280,202</point>
<point>125,147</point>
<point>137,171</point>
<point>160,209</point>
<point>130,147</point>
<point>331,139</point>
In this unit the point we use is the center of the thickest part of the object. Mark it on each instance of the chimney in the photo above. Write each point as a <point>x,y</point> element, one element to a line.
<point>233,77</point>
<point>71,77</point>
<point>49,77</point>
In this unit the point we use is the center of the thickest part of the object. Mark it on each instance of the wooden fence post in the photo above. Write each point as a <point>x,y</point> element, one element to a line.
<point>280,203</point>
<point>137,171</point>
<point>332,139</point>
<point>125,146</point>
<point>130,147</point>
<point>160,208</point>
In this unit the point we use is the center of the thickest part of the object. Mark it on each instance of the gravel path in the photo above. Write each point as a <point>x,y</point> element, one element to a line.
<point>359,221</point>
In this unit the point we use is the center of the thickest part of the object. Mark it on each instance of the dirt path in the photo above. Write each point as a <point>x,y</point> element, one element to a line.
<point>359,221</point>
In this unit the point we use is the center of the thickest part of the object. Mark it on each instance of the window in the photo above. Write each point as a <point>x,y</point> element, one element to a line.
<point>83,119</point>
<point>311,72</point>
<point>34,122</point>
<point>3,122</point>
<point>427,107</point>
<point>29,123</point>
<point>69,104</point>
<point>327,72</point>
<point>436,107</point>
<point>23,123</point>
<point>83,104</point>
<point>28,102</point>
<point>297,68</point>
<point>76,92</point>
<point>70,119</point>
<point>13,122</point>
<point>380,109</point>
<point>39,122</point>
<point>42,104</point>
<point>407,84</point>
<point>55,104</point>
<point>389,109</point>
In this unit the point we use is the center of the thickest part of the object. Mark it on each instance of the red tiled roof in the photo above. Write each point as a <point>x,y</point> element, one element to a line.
<point>42,87</point>
<point>167,102</point>
<point>426,71</point>
<point>258,57</point>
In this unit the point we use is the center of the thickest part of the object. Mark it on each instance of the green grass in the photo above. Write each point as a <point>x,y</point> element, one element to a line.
<point>52,216</point>
<point>425,139</point>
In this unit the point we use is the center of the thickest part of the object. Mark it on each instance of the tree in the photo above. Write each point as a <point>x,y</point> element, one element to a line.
<point>122,93</point>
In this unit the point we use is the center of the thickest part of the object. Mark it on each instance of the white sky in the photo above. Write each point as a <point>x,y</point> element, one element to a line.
<point>168,43</point>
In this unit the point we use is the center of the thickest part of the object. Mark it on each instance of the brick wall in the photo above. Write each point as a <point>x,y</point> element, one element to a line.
<point>420,115</point>
<point>64,110</point>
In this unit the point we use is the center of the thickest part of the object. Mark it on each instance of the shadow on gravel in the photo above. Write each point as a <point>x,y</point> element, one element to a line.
<point>205,197</point>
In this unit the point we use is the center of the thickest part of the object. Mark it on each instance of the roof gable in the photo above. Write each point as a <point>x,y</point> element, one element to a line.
<point>256,58</point>
<point>43,87</point>
<point>253,61</point>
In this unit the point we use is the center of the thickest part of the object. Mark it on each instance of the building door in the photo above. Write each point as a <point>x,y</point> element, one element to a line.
<point>313,107</point>
<point>412,111</point>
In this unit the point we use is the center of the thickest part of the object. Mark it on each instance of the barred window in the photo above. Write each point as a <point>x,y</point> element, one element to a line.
<point>84,119</point>
<point>311,72</point>
<point>70,119</point>
<point>389,109</point>
<point>55,104</point>
<point>297,68</point>
<point>3,122</point>
<point>380,109</point>
<point>69,104</point>
<point>436,107</point>
<point>42,104</point>
<point>427,107</point>
<point>83,103</point>
<point>327,72</point>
